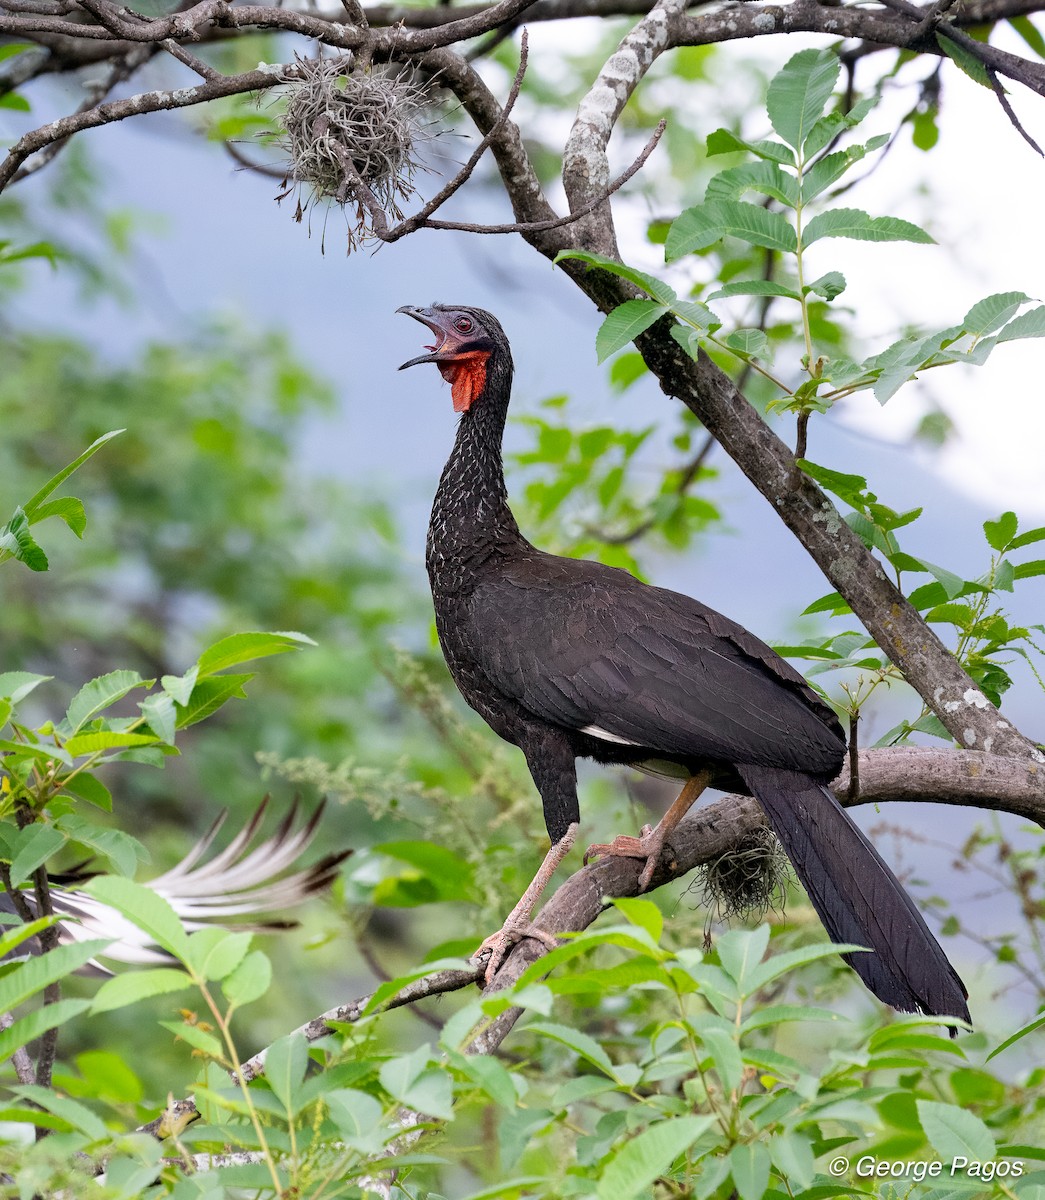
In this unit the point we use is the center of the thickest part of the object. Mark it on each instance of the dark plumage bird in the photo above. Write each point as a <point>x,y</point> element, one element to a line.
<point>236,888</point>
<point>571,659</point>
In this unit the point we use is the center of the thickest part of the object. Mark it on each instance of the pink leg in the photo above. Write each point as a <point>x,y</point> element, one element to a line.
<point>518,925</point>
<point>651,843</point>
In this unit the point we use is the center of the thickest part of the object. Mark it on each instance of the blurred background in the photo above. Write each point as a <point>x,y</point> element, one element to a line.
<point>276,473</point>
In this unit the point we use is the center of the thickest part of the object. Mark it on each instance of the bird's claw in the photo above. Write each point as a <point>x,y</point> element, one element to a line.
<point>648,846</point>
<point>500,944</point>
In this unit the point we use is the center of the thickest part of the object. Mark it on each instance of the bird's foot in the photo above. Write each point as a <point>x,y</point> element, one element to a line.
<point>648,846</point>
<point>500,944</point>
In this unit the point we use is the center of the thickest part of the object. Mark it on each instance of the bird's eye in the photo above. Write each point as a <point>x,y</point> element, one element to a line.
<point>463,325</point>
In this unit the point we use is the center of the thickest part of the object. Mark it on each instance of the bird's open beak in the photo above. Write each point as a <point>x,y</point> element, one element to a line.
<point>446,346</point>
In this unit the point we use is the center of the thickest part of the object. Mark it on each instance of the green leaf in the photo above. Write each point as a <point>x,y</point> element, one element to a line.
<point>850,488</point>
<point>134,986</point>
<point>244,647</point>
<point>1001,532</point>
<point>828,170</point>
<point>36,845</point>
<point>250,980</point>
<point>16,685</point>
<point>703,226</point>
<point>88,787</point>
<point>856,224</point>
<point>755,287</point>
<point>625,324</point>
<point>159,711</point>
<point>650,284</point>
<point>749,1164</point>
<point>967,61</point>
<point>143,908</point>
<point>1024,539</point>
<point>209,695</point>
<point>631,1170</point>
<point>799,93</point>
<point>18,103</point>
<point>955,1132</point>
<point>33,975</point>
<point>95,697</point>
<point>1028,570</point>
<point>1030,33</point>
<point>1020,1033</point>
<point>643,913</point>
<point>780,964</point>
<point>764,177</point>
<point>1030,324</point>
<point>68,508</point>
<point>587,1047</point>
<point>197,1038</point>
<point>179,687</point>
<point>953,585</point>
<point>77,1115</point>
<point>215,953</point>
<point>91,743</point>
<point>741,951</point>
<point>57,480</point>
<point>829,286</point>
<point>993,312</point>
<point>285,1064</point>
<point>723,141</point>
<point>752,343</point>
<point>17,542</point>
<point>38,1022</point>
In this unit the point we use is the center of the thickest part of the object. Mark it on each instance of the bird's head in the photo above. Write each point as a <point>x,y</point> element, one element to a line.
<point>466,339</point>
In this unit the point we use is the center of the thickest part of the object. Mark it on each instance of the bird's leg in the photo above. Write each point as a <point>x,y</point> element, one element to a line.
<point>518,924</point>
<point>650,844</point>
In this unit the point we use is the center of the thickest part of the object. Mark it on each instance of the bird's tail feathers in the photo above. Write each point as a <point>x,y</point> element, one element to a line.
<point>858,898</point>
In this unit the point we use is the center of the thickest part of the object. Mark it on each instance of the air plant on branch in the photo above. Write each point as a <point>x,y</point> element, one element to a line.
<point>351,135</point>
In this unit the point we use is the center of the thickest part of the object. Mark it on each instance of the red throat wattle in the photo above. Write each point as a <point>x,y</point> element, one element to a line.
<point>466,376</point>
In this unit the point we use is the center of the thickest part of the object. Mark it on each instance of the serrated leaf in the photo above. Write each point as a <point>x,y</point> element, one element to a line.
<point>962,58</point>
<point>799,92</point>
<point>643,913</point>
<point>829,286</point>
<point>724,141</point>
<point>98,695</point>
<point>36,973</point>
<point>624,324</point>
<point>143,908</point>
<point>215,953</point>
<point>1030,324</point>
<point>850,488</point>
<point>209,695</point>
<point>750,342</point>
<point>38,1022</point>
<point>134,986</point>
<point>36,845</point>
<point>1028,570</point>
<point>696,314</point>
<point>764,177</point>
<point>581,1043</point>
<point>88,787</point>
<point>953,585</point>
<point>854,223</point>
<point>179,687</point>
<point>955,1132</point>
<point>245,647</point>
<point>703,226</point>
<point>91,743</point>
<point>992,312</point>
<point>754,287</point>
<point>631,1170</point>
<point>650,284</point>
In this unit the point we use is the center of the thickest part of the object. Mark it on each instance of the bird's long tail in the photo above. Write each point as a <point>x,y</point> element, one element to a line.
<point>858,898</point>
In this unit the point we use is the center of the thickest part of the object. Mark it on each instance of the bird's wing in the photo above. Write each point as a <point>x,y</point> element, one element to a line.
<point>589,647</point>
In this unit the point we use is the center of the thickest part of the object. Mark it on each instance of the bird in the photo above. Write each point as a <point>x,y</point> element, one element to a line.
<point>239,882</point>
<point>572,659</point>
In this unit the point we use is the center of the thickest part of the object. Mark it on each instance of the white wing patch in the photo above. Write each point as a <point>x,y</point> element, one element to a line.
<point>596,732</point>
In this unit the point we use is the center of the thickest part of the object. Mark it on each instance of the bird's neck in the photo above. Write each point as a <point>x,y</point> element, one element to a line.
<point>471,521</point>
